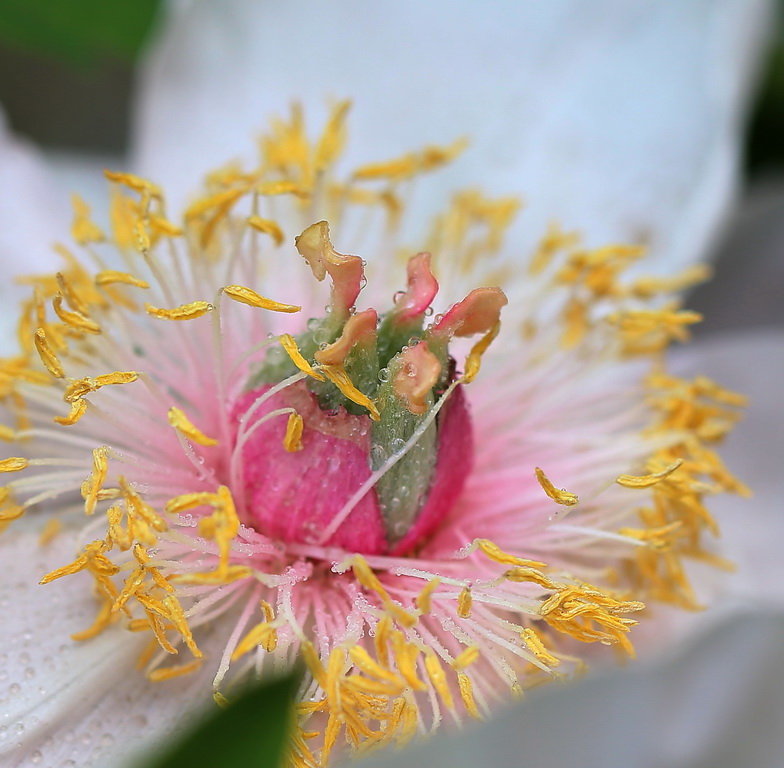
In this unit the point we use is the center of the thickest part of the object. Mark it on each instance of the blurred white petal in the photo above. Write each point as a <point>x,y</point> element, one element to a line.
<point>32,212</point>
<point>620,118</point>
<point>718,703</point>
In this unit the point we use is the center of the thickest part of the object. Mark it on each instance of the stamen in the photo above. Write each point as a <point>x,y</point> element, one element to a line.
<point>182,423</point>
<point>247,296</point>
<point>267,227</point>
<point>558,495</point>
<point>188,311</point>
<point>646,481</point>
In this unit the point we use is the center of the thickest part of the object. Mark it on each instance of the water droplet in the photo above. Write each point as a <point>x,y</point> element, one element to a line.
<point>14,689</point>
<point>398,295</point>
<point>24,658</point>
<point>36,757</point>
<point>383,375</point>
<point>29,673</point>
<point>428,311</point>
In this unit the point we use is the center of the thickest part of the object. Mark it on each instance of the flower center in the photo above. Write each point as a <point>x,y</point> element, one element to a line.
<point>379,439</point>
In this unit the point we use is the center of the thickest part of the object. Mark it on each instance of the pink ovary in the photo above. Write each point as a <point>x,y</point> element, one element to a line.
<point>293,496</point>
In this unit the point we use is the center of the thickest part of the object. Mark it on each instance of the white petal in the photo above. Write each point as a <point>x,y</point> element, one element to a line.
<point>751,362</point>
<point>717,702</point>
<point>620,118</point>
<point>64,703</point>
<point>34,213</point>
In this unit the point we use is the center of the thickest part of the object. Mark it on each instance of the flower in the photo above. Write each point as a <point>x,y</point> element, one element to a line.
<point>266,479</point>
<point>562,102</point>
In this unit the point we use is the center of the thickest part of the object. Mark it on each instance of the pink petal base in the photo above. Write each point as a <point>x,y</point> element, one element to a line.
<point>292,497</point>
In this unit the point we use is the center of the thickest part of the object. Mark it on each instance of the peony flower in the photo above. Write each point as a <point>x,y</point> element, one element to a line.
<point>362,484</point>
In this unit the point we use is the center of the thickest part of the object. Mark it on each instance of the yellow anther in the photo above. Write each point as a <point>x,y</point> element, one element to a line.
<point>188,311</point>
<point>188,501</point>
<point>466,658</point>
<point>94,483</point>
<point>338,376</point>
<point>74,319</point>
<point>47,355</point>
<point>408,165</point>
<point>365,576</point>
<point>646,481</point>
<point>6,433</point>
<point>220,201</point>
<point>381,640</point>
<point>424,598</point>
<point>534,644</point>
<point>13,464</point>
<point>167,673</point>
<point>292,440</point>
<point>262,635</point>
<point>576,323</point>
<point>405,655</point>
<point>136,183</point>
<point>530,575</point>
<point>464,603</point>
<point>102,621</point>
<point>273,188</point>
<point>313,663</point>
<point>289,344</point>
<point>78,388</point>
<point>333,139</point>
<point>251,298</point>
<point>49,532</point>
<point>83,229</point>
<point>467,695</point>
<point>13,512</point>
<point>437,677</point>
<point>161,226</point>
<point>220,699</point>
<point>71,296</point>
<point>362,659</point>
<point>183,424</point>
<point>494,552</point>
<point>141,236</point>
<point>267,227</point>
<point>554,241</point>
<point>474,358</point>
<point>116,377</point>
<point>558,495</point>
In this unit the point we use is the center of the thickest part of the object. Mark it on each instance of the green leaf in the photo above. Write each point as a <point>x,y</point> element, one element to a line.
<point>78,31</point>
<point>252,730</point>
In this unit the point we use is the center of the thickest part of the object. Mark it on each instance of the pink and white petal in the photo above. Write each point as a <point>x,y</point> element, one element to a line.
<point>622,119</point>
<point>64,703</point>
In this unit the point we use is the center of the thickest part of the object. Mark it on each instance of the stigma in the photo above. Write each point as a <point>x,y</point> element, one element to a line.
<point>384,439</point>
